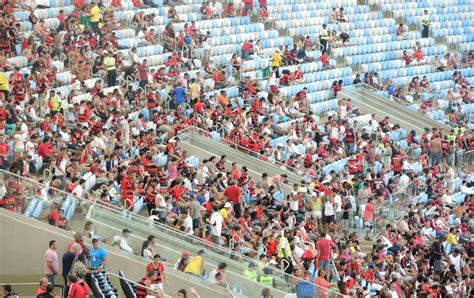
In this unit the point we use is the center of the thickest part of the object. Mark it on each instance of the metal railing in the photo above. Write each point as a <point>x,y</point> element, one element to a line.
<point>35,285</point>
<point>276,166</point>
<point>136,284</point>
<point>406,104</point>
<point>119,219</point>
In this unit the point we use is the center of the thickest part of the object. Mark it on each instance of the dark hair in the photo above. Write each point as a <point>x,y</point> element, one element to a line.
<point>51,243</point>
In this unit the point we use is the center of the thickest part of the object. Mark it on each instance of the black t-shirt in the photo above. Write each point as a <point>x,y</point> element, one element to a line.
<point>437,250</point>
<point>347,209</point>
<point>12,119</point>
<point>470,251</point>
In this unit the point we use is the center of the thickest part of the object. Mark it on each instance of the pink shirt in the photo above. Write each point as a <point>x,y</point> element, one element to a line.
<point>51,255</point>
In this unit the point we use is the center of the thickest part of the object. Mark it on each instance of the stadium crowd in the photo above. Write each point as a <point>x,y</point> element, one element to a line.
<point>320,225</point>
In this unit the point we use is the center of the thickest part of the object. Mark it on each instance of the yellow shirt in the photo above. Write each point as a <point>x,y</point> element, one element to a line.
<point>276,60</point>
<point>194,266</point>
<point>95,14</point>
<point>224,213</point>
<point>109,63</point>
<point>4,84</point>
<point>452,239</point>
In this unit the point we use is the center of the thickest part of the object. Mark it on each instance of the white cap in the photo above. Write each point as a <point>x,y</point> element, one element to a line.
<point>227,205</point>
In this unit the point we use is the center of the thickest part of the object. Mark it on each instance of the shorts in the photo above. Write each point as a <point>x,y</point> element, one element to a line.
<point>329,219</point>
<point>195,223</point>
<point>338,217</point>
<point>317,214</point>
<point>324,265</point>
<point>244,250</point>
<point>369,224</point>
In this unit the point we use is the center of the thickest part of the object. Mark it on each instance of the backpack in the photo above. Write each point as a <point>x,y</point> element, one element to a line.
<point>305,289</point>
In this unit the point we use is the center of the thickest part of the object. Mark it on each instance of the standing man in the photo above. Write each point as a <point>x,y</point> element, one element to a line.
<point>143,74</point>
<point>323,38</point>
<point>98,256</point>
<point>234,193</point>
<point>111,68</point>
<point>68,260</point>
<point>276,61</point>
<point>95,17</point>
<point>51,264</point>
<point>435,150</point>
<point>216,222</point>
<point>426,24</point>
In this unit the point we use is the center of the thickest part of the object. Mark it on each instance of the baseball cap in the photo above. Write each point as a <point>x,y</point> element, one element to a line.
<point>126,231</point>
<point>227,205</point>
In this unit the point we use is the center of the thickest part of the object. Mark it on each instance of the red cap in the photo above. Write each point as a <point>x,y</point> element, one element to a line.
<point>185,254</point>
<point>241,220</point>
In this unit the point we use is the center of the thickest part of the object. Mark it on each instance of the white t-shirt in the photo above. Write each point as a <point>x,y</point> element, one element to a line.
<point>188,225</point>
<point>338,202</point>
<point>328,209</point>
<point>125,246</point>
<point>78,191</point>
<point>216,223</point>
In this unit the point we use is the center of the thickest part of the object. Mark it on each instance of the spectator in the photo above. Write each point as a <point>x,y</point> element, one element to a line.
<point>122,241</point>
<point>43,284</point>
<point>325,61</point>
<point>401,35</point>
<point>51,263</point>
<point>276,61</point>
<point>98,256</point>
<point>196,264</point>
<point>68,259</point>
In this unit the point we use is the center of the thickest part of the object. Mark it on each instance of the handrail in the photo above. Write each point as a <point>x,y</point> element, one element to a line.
<point>137,217</point>
<point>279,165</point>
<point>134,282</point>
<point>404,103</point>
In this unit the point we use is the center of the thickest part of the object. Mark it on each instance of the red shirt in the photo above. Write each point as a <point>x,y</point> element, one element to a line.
<point>324,247</point>
<point>324,60</point>
<point>233,192</point>
<point>78,291</point>
<point>218,77</point>
<point>247,46</point>
<point>418,55</point>
<point>44,150</point>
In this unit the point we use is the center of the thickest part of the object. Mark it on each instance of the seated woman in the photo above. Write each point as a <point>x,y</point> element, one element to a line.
<point>401,32</point>
<point>168,37</point>
<point>340,15</point>
<point>229,10</point>
<point>414,87</point>
<point>297,77</point>
<point>425,85</point>
<point>210,69</point>
<point>173,15</point>
<point>418,55</point>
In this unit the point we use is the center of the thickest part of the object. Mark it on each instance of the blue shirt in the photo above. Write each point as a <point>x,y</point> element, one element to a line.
<point>97,256</point>
<point>180,94</point>
<point>301,54</point>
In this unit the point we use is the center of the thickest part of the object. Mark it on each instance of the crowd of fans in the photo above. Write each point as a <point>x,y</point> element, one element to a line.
<point>313,228</point>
